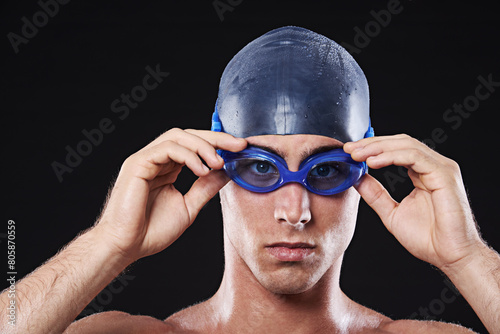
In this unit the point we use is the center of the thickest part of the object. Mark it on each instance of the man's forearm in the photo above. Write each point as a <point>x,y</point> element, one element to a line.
<point>51,297</point>
<point>478,280</point>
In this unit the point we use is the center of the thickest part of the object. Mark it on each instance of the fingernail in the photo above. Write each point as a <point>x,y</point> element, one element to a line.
<point>351,145</point>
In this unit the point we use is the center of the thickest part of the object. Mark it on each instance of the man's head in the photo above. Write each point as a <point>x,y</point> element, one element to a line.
<point>291,92</point>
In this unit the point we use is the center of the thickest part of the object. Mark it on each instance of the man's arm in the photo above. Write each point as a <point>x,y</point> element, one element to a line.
<point>143,215</point>
<point>477,277</point>
<point>51,297</point>
<point>434,222</point>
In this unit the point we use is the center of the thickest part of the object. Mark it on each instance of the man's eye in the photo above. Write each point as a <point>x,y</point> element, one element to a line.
<point>262,167</point>
<point>324,171</point>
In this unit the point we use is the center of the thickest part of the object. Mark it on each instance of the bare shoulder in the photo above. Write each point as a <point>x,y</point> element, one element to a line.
<point>119,322</point>
<point>420,326</point>
<point>198,318</point>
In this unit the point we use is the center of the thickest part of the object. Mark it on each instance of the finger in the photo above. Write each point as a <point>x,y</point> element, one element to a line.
<point>202,148</point>
<point>168,178</point>
<point>363,149</point>
<point>416,180</point>
<point>378,198</point>
<point>349,147</point>
<point>374,146</point>
<point>428,169</point>
<point>204,143</point>
<point>220,140</point>
<point>411,149</point>
<point>148,163</point>
<point>191,142</point>
<point>431,174</point>
<point>412,158</point>
<point>203,190</point>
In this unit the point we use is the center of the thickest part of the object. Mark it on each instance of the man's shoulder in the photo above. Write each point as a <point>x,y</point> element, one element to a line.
<point>120,322</point>
<point>197,318</point>
<point>421,326</point>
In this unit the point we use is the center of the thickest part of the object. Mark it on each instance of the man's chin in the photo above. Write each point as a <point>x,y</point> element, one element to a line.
<point>286,283</point>
<point>287,290</point>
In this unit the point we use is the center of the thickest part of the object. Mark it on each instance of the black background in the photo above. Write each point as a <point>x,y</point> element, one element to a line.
<point>64,79</point>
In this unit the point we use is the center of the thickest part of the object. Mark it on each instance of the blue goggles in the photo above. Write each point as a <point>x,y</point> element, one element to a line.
<point>326,173</point>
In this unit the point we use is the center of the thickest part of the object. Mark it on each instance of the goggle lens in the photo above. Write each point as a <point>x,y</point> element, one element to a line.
<point>256,172</point>
<point>328,175</point>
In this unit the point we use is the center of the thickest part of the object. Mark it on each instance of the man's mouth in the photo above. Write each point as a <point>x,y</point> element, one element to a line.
<point>290,252</point>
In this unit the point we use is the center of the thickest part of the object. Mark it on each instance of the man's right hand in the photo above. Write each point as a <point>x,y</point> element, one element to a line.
<point>144,212</point>
<point>143,215</point>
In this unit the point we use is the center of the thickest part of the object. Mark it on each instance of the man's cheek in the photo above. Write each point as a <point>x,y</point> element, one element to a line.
<point>336,240</point>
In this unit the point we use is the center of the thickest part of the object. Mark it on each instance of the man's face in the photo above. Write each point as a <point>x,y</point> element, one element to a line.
<point>262,229</point>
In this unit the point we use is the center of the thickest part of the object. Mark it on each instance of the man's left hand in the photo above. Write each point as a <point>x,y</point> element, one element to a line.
<point>434,222</point>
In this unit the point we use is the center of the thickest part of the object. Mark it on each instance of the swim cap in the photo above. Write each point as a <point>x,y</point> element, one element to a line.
<point>293,81</point>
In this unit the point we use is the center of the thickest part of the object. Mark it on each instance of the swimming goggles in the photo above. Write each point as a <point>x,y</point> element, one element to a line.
<point>326,173</point>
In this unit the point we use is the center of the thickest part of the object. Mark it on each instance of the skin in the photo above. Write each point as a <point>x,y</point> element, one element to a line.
<point>144,214</point>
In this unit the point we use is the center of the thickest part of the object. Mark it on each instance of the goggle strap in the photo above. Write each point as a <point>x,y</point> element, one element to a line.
<point>370,132</point>
<point>216,123</point>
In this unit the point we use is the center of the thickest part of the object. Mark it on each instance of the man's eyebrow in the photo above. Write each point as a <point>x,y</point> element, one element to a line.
<point>270,150</point>
<point>319,149</point>
<point>304,154</point>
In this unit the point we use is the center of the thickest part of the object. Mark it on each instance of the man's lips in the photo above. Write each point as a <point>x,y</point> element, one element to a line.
<point>290,252</point>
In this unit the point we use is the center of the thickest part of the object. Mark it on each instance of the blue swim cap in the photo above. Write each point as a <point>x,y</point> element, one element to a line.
<point>293,81</point>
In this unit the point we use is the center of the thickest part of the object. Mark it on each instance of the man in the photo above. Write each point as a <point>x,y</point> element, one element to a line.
<point>288,103</point>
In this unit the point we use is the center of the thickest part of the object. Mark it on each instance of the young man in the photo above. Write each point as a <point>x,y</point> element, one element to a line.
<point>288,104</point>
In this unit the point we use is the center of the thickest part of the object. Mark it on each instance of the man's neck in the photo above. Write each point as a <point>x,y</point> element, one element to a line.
<point>242,302</point>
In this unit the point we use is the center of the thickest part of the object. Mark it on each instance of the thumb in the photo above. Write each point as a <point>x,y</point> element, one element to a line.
<point>202,190</point>
<point>377,197</point>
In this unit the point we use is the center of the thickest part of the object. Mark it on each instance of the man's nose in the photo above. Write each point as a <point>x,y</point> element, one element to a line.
<point>292,205</point>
